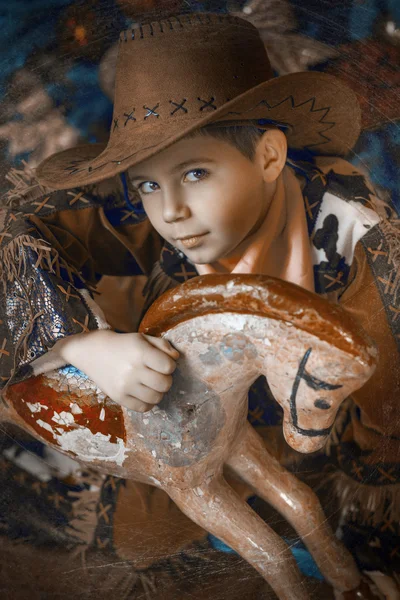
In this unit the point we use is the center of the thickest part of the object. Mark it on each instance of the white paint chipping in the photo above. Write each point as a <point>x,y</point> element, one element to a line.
<point>37,407</point>
<point>64,418</point>
<point>46,426</point>
<point>89,446</point>
<point>102,414</point>
<point>210,303</point>
<point>75,409</point>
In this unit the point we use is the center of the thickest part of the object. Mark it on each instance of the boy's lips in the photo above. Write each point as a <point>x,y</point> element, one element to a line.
<point>192,240</point>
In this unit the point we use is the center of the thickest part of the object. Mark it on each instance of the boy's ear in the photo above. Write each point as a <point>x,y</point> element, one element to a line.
<point>271,154</point>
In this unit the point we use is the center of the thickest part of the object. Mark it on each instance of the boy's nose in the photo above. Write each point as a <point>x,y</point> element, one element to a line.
<point>174,208</point>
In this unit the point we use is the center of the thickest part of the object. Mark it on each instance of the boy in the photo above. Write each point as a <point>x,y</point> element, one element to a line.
<point>201,133</point>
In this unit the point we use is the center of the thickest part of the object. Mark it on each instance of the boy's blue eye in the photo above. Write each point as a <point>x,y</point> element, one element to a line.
<point>197,174</point>
<point>147,187</point>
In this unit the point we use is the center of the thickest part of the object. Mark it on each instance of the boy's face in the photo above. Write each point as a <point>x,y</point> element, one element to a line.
<point>205,190</point>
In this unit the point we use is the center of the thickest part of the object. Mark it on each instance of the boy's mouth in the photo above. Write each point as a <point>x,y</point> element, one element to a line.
<point>190,242</point>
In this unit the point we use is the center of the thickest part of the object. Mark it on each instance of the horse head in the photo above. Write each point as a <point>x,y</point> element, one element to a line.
<point>232,329</point>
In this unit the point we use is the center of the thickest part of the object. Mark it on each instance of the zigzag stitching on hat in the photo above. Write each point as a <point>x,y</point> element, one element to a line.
<point>326,110</point>
<point>329,124</point>
<point>290,98</point>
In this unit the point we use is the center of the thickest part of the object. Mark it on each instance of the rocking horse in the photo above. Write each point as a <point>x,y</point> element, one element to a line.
<point>229,330</point>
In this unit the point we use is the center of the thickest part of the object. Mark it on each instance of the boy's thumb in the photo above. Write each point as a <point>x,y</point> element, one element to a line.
<point>163,345</point>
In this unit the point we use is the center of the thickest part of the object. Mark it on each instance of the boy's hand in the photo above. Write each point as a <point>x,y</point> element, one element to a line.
<point>133,369</point>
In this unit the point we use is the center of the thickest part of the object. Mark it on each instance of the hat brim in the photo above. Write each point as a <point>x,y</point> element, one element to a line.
<point>322,114</point>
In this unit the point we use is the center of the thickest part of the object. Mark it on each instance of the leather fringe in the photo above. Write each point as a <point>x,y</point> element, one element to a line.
<point>365,504</point>
<point>25,187</point>
<point>13,260</point>
<point>13,257</point>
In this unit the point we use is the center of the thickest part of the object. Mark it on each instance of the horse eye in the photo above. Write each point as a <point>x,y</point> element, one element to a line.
<point>321,403</point>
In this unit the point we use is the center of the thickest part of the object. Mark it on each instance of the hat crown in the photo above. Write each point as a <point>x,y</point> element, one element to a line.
<point>185,67</point>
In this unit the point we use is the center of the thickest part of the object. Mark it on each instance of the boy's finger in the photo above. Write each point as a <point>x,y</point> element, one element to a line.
<point>148,395</point>
<point>135,404</point>
<point>163,345</point>
<point>156,381</point>
<point>156,360</point>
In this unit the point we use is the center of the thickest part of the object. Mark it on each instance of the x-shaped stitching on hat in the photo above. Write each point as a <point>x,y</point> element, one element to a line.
<point>73,166</point>
<point>115,124</point>
<point>207,103</point>
<point>179,106</point>
<point>151,111</point>
<point>129,117</point>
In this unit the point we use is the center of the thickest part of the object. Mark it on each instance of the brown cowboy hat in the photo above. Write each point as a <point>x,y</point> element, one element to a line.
<point>179,74</point>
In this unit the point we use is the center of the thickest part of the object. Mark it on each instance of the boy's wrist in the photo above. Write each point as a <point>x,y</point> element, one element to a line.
<point>73,346</point>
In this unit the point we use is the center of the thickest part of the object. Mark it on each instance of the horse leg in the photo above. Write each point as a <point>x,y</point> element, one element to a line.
<point>218,509</point>
<point>298,504</point>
